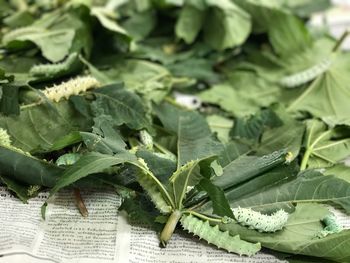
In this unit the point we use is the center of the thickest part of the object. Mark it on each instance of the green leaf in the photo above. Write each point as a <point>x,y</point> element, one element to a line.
<point>189,23</point>
<point>138,211</point>
<point>66,140</point>
<point>340,171</point>
<point>247,167</point>
<point>299,235</point>
<point>90,163</point>
<point>102,15</point>
<point>140,25</point>
<point>195,140</point>
<point>27,169</point>
<point>286,32</point>
<point>56,34</point>
<point>52,50</point>
<point>160,166</point>
<point>105,138</point>
<point>20,190</point>
<point>288,136</point>
<point>328,94</point>
<point>246,95</point>
<point>9,99</point>
<point>195,68</point>
<point>226,25</point>
<point>271,178</point>
<point>232,151</point>
<point>151,80</point>
<point>37,128</point>
<point>305,8</point>
<point>184,177</point>
<point>221,126</point>
<point>221,207</point>
<point>309,186</point>
<point>123,106</point>
<point>325,147</point>
<point>254,126</point>
<point>154,190</point>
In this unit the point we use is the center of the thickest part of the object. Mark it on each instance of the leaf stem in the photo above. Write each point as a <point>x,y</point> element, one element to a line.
<point>305,159</point>
<point>80,203</point>
<point>340,40</point>
<point>169,227</point>
<point>31,105</point>
<point>204,217</point>
<point>310,150</point>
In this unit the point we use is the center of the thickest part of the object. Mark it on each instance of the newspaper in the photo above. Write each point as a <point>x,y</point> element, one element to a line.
<point>104,236</point>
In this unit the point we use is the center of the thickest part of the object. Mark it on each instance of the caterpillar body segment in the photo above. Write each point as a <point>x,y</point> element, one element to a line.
<point>307,75</point>
<point>70,65</point>
<point>146,139</point>
<point>5,139</point>
<point>213,235</point>
<point>68,159</point>
<point>332,226</point>
<point>70,88</point>
<point>260,222</point>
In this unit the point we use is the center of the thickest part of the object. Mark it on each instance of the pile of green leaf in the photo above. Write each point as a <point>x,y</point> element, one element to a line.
<point>87,100</point>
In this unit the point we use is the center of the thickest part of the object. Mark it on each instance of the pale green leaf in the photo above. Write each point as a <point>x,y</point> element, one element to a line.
<point>310,186</point>
<point>325,147</point>
<point>299,235</point>
<point>37,128</point>
<point>226,25</point>
<point>328,95</point>
<point>189,23</point>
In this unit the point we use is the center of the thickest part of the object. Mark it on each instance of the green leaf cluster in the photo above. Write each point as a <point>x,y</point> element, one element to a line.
<point>220,116</point>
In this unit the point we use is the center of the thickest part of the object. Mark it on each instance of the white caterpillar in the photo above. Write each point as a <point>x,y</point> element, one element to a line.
<point>71,87</point>
<point>332,226</point>
<point>260,222</point>
<point>5,139</point>
<point>306,75</point>
<point>57,69</point>
<point>146,139</point>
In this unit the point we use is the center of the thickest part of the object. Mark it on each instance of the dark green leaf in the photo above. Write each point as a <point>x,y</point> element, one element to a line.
<point>247,167</point>
<point>220,204</point>
<point>122,107</point>
<point>310,186</point>
<point>89,164</point>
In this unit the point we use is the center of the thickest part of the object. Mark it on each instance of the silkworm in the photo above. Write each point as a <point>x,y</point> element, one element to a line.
<point>332,226</point>
<point>5,139</point>
<point>146,139</point>
<point>307,75</point>
<point>71,87</point>
<point>57,69</point>
<point>260,222</point>
<point>213,235</point>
